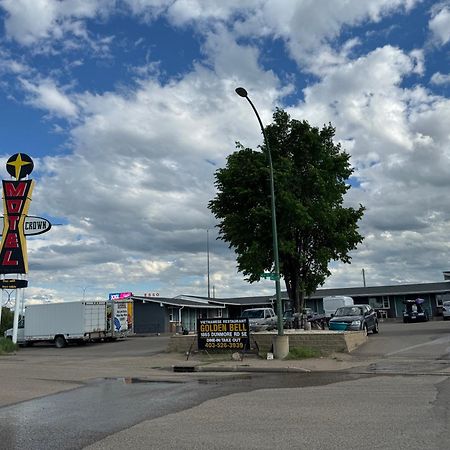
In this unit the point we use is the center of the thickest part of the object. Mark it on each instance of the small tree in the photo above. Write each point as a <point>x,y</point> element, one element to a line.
<point>314,227</point>
<point>7,317</point>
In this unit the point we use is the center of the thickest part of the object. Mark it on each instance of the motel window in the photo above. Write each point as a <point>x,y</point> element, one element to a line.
<point>379,302</point>
<point>440,298</point>
<point>375,303</point>
<point>173,314</point>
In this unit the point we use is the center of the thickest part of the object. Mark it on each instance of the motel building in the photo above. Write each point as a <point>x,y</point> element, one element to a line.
<point>154,314</point>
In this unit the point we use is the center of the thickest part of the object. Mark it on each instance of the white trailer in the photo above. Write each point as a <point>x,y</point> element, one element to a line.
<point>333,302</point>
<point>62,323</point>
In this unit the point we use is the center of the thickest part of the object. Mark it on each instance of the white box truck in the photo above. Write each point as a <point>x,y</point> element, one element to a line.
<point>62,323</point>
<point>333,302</point>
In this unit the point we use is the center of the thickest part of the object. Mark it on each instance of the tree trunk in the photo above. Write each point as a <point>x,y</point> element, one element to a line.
<point>302,306</point>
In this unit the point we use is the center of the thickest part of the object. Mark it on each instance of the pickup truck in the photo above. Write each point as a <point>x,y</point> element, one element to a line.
<point>260,319</point>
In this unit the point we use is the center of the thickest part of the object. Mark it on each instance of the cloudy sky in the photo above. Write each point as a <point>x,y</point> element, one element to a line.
<point>127,108</point>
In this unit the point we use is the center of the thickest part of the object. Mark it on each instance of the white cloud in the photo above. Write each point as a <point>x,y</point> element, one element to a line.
<point>31,22</point>
<point>44,94</point>
<point>364,94</point>
<point>308,27</point>
<point>440,24</point>
<point>440,78</point>
<point>21,23</point>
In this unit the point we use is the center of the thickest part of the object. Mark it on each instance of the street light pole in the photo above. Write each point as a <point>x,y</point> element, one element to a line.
<point>243,93</point>
<point>207,261</point>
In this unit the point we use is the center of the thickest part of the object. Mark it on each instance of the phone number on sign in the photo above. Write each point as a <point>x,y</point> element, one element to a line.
<point>224,345</point>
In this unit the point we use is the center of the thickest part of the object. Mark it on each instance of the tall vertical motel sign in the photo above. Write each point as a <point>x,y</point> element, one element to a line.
<point>16,201</point>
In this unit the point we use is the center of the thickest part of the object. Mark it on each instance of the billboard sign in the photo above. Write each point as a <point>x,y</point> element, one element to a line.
<point>123,317</point>
<point>223,334</point>
<point>119,295</point>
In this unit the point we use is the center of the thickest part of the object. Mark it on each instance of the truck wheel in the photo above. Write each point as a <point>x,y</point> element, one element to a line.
<point>60,342</point>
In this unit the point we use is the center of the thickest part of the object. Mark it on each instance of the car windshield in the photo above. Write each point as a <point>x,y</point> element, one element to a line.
<point>253,314</point>
<point>348,311</point>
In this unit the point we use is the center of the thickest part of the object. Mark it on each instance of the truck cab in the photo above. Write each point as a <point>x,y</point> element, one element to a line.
<point>260,319</point>
<point>20,332</point>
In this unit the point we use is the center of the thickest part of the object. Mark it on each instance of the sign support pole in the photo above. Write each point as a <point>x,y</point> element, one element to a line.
<point>1,308</point>
<point>16,318</point>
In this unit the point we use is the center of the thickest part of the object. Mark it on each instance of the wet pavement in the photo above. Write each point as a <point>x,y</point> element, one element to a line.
<point>74,419</point>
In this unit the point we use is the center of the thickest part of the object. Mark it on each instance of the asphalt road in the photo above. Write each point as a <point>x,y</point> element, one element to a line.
<point>399,399</point>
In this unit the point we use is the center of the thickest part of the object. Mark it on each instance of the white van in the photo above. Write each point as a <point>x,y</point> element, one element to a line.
<point>333,302</point>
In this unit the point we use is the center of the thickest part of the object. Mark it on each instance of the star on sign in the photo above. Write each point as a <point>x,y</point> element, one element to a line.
<point>19,169</point>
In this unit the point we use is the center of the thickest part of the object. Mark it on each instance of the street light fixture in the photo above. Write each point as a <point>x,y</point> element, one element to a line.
<point>243,93</point>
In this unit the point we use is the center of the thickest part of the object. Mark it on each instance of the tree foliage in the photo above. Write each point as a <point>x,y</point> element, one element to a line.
<point>314,228</point>
<point>7,320</point>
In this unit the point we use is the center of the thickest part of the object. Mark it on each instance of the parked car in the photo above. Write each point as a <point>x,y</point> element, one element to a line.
<point>354,318</point>
<point>414,312</point>
<point>260,318</point>
<point>446,310</point>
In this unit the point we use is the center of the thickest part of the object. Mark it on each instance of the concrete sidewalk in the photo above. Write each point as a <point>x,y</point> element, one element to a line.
<point>203,362</point>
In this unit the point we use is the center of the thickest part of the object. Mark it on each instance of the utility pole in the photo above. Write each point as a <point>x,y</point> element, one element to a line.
<point>364,277</point>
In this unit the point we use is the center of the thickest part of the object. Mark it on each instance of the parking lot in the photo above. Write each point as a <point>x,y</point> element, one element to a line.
<point>44,369</point>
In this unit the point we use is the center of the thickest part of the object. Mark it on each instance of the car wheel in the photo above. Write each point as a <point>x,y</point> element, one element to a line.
<point>375,328</point>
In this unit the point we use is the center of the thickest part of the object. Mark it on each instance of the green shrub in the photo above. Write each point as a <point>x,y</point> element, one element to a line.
<point>302,353</point>
<point>6,346</point>
<point>7,320</point>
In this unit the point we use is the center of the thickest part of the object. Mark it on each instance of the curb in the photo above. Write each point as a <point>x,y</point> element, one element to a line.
<point>239,369</point>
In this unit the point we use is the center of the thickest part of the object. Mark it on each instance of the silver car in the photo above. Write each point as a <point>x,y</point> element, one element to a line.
<point>446,310</point>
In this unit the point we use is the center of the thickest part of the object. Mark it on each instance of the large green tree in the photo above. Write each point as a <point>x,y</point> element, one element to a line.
<point>311,175</point>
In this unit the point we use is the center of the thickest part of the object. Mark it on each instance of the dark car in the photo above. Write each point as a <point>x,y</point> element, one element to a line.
<point>354,318</point>
<point>414,312</point>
